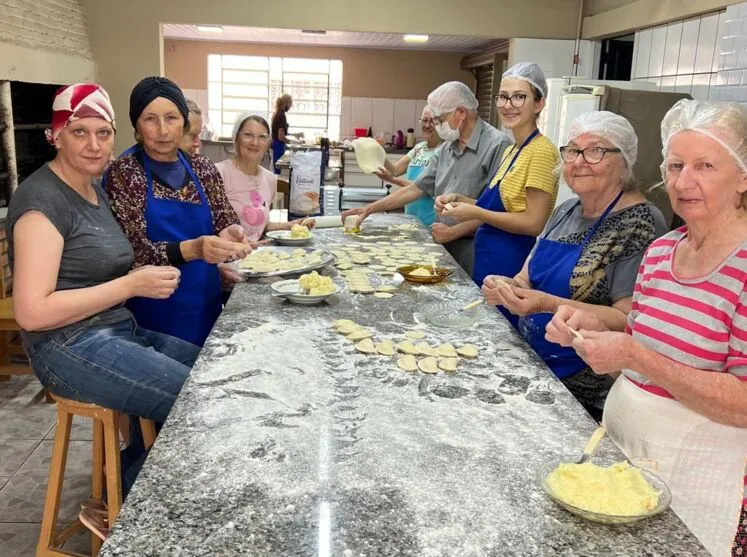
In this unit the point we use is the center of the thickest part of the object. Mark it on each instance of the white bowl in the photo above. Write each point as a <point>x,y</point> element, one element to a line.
<point>283,237</point>
<point>291,290</point>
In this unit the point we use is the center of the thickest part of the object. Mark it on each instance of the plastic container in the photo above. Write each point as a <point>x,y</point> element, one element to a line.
<point>410,138</point>
<point>360,132</point>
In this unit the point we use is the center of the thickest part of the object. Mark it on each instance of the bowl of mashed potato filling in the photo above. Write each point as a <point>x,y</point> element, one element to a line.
<point>617,493</point>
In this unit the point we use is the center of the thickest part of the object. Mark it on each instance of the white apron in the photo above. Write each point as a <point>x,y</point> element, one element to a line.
<point>701,461</point>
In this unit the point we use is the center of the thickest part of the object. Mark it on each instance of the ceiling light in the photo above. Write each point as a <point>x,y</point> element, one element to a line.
<point>210,28</point>
<point>416,38</point>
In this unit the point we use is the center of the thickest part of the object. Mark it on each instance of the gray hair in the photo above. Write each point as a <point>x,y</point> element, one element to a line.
<point>193,108</point>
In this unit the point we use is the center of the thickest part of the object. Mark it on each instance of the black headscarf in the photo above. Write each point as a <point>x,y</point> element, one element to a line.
<point>151,88</point>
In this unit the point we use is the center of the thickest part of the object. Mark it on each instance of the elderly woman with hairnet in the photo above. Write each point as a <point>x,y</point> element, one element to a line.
<point>468,158</point>
<point>681,400</point>
<point>589,253</point>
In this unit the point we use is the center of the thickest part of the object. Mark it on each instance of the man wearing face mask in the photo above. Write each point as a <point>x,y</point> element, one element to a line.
<point>468,159</point>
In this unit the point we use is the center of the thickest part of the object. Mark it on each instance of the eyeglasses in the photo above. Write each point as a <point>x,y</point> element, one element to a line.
<point>592,155</point>
<point>428,122</point>
<point>261,138</point>
<point>441,118</point>
<point>517,100</point>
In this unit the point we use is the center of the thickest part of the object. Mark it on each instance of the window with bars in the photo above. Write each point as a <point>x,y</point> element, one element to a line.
<point>252,83</point>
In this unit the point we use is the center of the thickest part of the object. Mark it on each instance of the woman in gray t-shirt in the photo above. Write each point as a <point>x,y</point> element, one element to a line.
<point>72,263</point>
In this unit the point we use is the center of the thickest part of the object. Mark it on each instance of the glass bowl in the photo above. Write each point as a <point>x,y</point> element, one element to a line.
<point>436,276</point>
<point>449,314</point>
<point>665,497</point>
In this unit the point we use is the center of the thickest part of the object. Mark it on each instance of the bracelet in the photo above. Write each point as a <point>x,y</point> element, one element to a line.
<point>174,254</point>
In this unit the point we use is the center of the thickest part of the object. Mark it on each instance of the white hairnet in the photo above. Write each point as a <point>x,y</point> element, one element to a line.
<point>529,72</point>
<point>610,126</point>
<point>723,122</point>
<point>450,96</point>
<point>239,122</point>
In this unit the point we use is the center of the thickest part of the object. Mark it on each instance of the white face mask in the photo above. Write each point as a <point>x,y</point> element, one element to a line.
<point>446,132</point>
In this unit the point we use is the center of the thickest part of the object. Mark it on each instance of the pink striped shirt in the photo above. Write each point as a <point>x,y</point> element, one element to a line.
<point>700,322</point>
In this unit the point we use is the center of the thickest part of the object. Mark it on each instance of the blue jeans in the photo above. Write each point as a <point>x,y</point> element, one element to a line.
<point>122,367</point>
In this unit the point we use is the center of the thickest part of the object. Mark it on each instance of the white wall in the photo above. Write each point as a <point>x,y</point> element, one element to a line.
<point>45,41</point>
<point>681,56</point>
<point>554,56</point>
<point>384,116</point>
<point>731,81</point>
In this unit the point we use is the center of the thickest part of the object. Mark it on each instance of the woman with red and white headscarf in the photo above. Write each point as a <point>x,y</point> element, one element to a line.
<point>72,264</point>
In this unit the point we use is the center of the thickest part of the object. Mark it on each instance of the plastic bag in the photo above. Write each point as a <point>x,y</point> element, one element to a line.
<point>306,181</point>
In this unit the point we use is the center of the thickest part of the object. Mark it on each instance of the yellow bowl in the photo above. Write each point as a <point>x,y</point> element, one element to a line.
<point>440,274</point>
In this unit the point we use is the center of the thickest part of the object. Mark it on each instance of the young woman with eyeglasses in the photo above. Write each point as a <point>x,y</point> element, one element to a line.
<point>520,197</point>
<point>250,187</point>
<point>589,253</point>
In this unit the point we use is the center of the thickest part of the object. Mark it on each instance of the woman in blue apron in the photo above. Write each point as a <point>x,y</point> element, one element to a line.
<point>515,206</point>
<point>589,255</point>
<point>412,165</point>
<point>550,270</point>
<point>174,211</point>
<point>279,128</point>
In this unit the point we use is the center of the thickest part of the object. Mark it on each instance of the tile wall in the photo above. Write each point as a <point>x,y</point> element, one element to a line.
<point>705,56</point>
<point>731,81</point>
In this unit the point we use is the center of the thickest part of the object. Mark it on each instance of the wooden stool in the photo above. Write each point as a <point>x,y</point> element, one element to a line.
<point>105,461</point>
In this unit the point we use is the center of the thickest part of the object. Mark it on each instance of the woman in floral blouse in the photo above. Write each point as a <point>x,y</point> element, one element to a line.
<point>174,210</point>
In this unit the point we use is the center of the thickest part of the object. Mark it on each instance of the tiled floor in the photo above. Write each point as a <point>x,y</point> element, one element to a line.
<point>27,425</point>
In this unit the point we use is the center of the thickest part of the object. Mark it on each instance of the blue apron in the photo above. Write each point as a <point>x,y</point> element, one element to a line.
<point>191,311</point>
<point>421,208</point>
<point>498,252</point>
<point>278,150</point>
<point>550,271</point>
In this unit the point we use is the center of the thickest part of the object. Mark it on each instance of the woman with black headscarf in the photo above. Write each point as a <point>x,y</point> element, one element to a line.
<point>174,210</point>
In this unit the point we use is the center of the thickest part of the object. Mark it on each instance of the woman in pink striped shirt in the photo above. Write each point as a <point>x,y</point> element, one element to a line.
<point>681,399</point>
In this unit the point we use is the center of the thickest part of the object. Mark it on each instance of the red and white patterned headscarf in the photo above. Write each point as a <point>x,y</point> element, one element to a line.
<point>82,100</point>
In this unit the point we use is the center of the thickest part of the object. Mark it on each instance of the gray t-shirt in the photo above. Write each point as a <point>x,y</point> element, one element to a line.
<point>95,249</point>
<point>607,269</point>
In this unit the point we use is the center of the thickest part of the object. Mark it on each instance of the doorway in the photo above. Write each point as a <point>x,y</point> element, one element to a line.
<point>616,62</point>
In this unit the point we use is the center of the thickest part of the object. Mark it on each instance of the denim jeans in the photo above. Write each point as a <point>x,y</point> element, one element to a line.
<point>122,367</point>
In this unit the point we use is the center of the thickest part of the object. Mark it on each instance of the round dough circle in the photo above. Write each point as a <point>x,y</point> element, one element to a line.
<point>415,334</point>
<point>383,295</point>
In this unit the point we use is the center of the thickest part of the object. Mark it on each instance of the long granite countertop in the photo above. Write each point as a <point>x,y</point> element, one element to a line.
<point>287,442</point>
